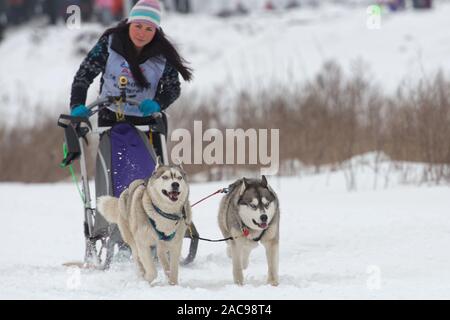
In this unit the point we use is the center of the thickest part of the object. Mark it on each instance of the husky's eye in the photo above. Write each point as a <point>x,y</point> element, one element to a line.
<point>180,178</point>
<point>252,206</point>
<point>267,205</point>
<point>165,177</point>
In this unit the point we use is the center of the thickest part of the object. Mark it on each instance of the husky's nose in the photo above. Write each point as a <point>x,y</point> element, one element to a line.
<point>263,217</point>
<point>175,185</point>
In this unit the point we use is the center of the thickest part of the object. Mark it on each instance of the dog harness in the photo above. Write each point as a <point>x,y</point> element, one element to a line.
<point>161,235</point>
<point>170,216</point>
<point>166,215</point>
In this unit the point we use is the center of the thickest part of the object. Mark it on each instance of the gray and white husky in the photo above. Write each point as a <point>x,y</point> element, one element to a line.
<point>250,214</point>
<point>153,213</point>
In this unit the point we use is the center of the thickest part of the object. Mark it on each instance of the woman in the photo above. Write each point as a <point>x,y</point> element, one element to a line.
<point>137,49</point>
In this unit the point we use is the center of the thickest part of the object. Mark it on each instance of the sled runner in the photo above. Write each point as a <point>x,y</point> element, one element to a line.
<point>125,153</point>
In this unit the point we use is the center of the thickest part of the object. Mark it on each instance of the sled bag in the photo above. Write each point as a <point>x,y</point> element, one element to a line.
<point>131,157</point>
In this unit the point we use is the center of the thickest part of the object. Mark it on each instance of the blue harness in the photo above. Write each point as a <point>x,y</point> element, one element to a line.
<point>162,235</point>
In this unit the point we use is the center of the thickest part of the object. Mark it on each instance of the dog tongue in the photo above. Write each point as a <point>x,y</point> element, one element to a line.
<point>263,225</point>
<point>173,195</point>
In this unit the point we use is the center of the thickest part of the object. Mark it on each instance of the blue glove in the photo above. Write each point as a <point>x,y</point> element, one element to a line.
<point>147,107</point>
<point>80,111</point>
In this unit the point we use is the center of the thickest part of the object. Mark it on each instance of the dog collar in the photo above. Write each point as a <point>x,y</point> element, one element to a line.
<point>161,235</point>
<point>166,215</point>
<point>246,232</point>
<point>260,236</point>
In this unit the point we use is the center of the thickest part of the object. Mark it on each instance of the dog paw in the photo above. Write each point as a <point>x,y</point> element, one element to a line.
<point>150,277</point>
<point>173,280</point>
<point>272,282</point>
<point>239,282</point>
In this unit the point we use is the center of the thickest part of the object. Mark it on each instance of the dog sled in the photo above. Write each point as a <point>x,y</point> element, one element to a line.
<point>126,152</point>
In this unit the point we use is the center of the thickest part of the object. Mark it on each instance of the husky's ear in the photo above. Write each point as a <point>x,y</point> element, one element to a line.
<point>244,185</point>
<point>268,187</point>
<point>158,162</point>
<point>179,164</point>
<point>264,181</point>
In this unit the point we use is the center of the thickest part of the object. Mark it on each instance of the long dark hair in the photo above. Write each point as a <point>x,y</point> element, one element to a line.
<point>159,45</point>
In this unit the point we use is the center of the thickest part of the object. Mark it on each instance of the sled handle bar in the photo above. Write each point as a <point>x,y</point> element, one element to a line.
<point>64,120</point>
<point>111,100</point>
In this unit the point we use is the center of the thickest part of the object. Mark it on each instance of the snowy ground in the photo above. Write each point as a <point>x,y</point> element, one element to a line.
<point>386,243</point>
<point>228,55</point>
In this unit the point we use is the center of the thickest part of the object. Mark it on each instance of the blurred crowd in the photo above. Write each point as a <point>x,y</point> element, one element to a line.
<point>395,5</point>
<point>16,12</point>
